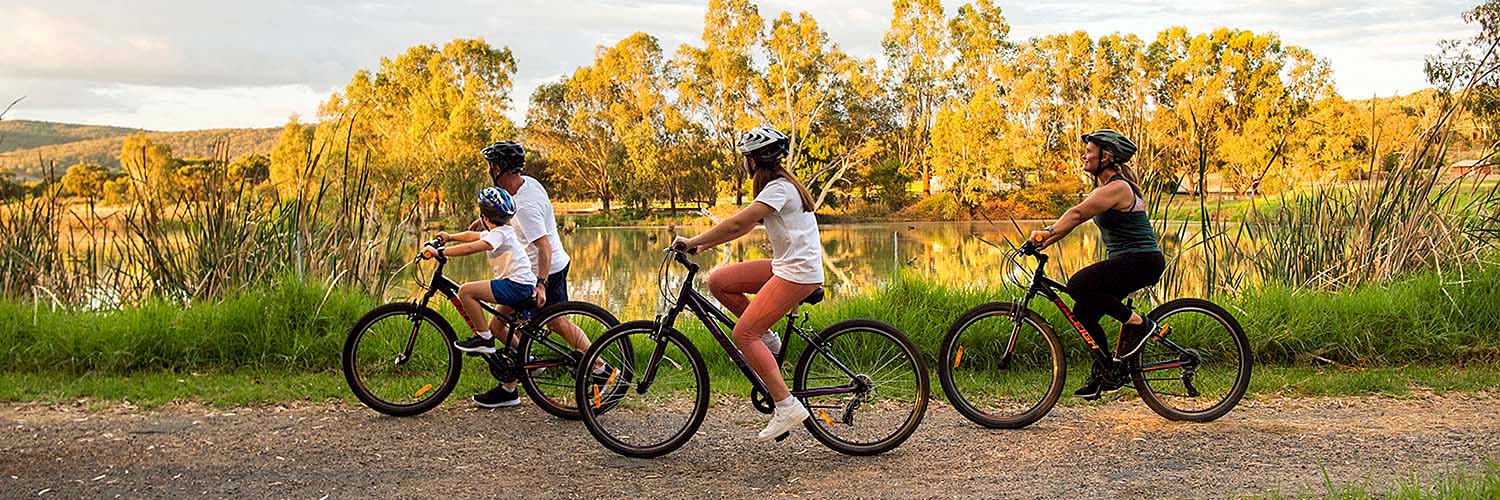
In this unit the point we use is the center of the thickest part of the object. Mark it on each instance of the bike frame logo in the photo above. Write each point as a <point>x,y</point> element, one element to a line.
<point>1068,313</point>
<point>462,312</point>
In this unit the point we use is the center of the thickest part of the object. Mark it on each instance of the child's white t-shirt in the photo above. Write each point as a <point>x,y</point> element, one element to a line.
<point>796,250</point>
<point>508,256</point>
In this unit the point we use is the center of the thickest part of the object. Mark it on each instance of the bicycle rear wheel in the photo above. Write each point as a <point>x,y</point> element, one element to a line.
<point>1199,368</point>
<point>999,373</point>
<point>384,377</point>
<point>892,380</point>
<point>655,394</point>
<point>552,363</point>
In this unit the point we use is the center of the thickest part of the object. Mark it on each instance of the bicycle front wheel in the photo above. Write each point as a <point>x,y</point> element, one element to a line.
<point>1199,368</point>
<point>998,372</point>
<point>552,358</point>
<point>652,395</point>
<point>399,359</point>
<point>889,379</point>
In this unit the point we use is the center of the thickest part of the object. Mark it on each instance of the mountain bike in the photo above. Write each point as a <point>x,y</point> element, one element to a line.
<point>399,358</point>
<point>1002,366</point>
<point>863,381</point>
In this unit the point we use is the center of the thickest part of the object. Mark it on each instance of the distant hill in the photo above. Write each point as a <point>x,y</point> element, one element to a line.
<point>27,134</point>
<point>30,163</point>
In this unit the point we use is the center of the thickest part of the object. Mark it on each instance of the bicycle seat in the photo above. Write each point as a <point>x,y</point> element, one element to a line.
<point>815,297</point>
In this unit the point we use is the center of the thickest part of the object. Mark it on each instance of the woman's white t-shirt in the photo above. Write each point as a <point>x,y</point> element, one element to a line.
<point>508,256</point>
<point>796,250</point>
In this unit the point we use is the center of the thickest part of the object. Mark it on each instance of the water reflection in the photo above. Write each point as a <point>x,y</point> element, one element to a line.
<point>619,267</point>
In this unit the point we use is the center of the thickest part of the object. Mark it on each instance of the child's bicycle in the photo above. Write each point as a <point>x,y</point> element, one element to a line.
<point>1002,366</point>
<point>399,358</point>
<point>863,380</point>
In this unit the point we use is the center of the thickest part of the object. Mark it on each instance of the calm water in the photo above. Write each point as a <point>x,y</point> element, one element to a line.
<point>619,268</point>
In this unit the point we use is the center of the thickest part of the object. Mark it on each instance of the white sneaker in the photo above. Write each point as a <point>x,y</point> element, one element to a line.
<point>772,341</point>
<point>783,420</point>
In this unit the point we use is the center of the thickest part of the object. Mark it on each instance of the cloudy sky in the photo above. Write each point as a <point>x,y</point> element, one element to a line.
<point>189,64</point>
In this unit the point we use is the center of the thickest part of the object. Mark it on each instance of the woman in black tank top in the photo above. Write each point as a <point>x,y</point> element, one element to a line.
<point>1135,259</point>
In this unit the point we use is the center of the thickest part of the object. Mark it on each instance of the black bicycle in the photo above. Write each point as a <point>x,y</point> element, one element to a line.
<point>1002,365</point>
<point>399,358</point>
<point>863,381</point>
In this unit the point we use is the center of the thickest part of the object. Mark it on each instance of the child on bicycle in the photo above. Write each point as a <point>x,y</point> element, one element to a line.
<point>513,281</point>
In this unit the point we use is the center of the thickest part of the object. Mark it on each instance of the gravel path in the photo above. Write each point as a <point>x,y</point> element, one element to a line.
<point>1105,450</point>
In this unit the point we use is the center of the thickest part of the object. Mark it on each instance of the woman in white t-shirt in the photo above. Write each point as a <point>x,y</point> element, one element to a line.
<point>780,283</point>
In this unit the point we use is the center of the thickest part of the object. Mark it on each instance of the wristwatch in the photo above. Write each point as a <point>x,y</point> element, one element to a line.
<point>541,282</point>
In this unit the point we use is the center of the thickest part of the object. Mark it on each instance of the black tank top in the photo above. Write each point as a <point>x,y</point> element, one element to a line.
<point>1127,231</point>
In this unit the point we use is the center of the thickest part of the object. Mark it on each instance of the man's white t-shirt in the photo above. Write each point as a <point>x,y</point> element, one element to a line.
<point>534,220</point>
<point>796,250</point>
<point>507,256</point>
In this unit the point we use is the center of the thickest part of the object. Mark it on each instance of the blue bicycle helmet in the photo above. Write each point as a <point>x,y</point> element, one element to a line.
<point>496,205</point>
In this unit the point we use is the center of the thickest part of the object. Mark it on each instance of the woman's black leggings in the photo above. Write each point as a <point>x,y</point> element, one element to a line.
<point>1099,289</point>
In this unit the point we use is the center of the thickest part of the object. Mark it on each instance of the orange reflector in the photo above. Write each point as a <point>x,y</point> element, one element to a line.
<point>422,391</point>
<point>598,401</point>
<point>612,375</point>
<point>958,357</point>
<point>1162,332</point>
<point>826,418</point>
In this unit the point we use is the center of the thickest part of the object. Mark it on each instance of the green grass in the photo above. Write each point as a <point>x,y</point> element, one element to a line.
<point>295,331</point>
<point>1484,484</point>
<point>289,325</point>
<point>255,387</point>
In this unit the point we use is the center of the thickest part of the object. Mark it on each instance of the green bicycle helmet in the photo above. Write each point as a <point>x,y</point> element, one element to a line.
<point>1116,143</point>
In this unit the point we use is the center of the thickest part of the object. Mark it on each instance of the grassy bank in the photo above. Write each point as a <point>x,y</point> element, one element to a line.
<point>291,334</point>
<point>1429,318</point>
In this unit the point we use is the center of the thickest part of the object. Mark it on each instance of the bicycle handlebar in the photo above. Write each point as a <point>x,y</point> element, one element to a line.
<point>436,243</point>
<point>681,247</point>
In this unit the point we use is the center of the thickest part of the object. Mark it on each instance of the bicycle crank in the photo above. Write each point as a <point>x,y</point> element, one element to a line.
<point>761,400</point>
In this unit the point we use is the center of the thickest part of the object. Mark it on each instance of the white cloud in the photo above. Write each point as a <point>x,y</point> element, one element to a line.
<point>169,64</point>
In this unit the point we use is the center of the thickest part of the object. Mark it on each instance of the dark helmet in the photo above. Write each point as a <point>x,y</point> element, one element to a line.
<point>496,205</point>
<point>506,156</point>
<point>1116,143</point>
<point>764,143</point>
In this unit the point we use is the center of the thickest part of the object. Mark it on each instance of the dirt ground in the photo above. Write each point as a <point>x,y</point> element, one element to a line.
<point>1116,449</point>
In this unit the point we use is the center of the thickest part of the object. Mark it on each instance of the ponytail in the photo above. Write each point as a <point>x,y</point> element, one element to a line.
<point>767,171</point>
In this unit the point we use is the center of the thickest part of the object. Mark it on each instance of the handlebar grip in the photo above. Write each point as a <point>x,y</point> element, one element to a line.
<point>681,247</point>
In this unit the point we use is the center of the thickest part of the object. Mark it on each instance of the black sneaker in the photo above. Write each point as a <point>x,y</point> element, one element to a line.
<point>476,344</point>
<point>497,398</point>
<point>1098,384</point>
<point>1133,337</point>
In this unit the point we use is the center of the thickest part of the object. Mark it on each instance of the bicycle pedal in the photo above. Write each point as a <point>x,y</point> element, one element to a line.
<point>783,436</point>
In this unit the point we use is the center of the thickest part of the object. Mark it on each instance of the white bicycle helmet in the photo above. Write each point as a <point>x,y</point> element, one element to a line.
<point>763,143</point>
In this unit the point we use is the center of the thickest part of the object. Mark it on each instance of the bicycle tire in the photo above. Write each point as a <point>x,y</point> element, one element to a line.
<point>910,353</point>
<point>591,413</point>
<point>356,381</point>
<point>1241,384</point>
<point>560,405</point>
<point>951,354</point>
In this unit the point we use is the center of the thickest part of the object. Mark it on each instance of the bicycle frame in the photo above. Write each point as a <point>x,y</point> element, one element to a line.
<point>515,323</point>
<point>717,323</point>
<point>1049,288</point>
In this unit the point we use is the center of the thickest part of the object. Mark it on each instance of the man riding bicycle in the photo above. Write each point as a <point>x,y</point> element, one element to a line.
<point>536,226</point>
